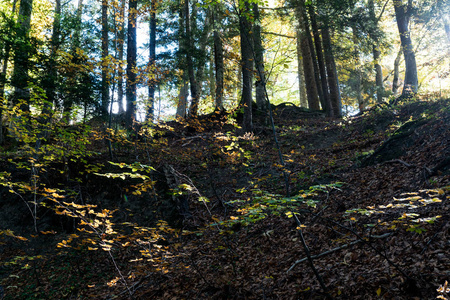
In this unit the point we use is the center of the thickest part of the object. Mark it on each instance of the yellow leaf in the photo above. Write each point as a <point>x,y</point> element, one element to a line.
<point>379,292</point>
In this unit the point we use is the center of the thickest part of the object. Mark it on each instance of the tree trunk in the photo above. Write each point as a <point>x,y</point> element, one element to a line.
<point>105,59</point>
<point>333,83</point>
<point>308,65</point>
<point>300,72</point>
<point>21,58</point>
<point>312,54</point>
<point>247,65</point>
<point>395,83</point>
<point>193,111</point>
<point>376,53</point>
<point>218,65</point>
<point>182,98</point>
<point>3,78</point>
<point>356,54</point>
<point>260,83</point>
<point>411,81</point>
<point>325,100</point>
<point>121,42</point>
<point>131,64</point>
<point>152,62</point>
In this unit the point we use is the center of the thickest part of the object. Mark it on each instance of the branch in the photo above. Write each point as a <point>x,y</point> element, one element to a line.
<point>279,34</point>
<point>339,248</point>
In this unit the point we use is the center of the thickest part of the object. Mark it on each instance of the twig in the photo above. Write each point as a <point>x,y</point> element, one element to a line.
<point>407,165</point>
<point>338,248</point>
<point>310,259</point>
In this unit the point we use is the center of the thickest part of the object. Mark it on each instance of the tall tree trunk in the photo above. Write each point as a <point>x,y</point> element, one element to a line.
<point>325,100</point>
<point>152,62</point>
<point>247,65</point>
<point>260,83</point>
<point>105,59</point>
<point>7,51</point>
<point>395,84</point>
<point>411,81</point>
<point>300,72</point>
<point>315,67</point>
<point>308,65</point>
<point>193,111</point>
<point>356,54</point>
<point>218,64</point>
<point>21,58</point>
<point>184,87</point>
<point>121,42</point>
<point>333,83</point>
<point>131,64</point>
<point>376,53</point>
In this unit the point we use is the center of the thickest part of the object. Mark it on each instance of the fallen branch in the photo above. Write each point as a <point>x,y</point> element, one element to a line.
<point>338,248</point>
<point>407,165</point>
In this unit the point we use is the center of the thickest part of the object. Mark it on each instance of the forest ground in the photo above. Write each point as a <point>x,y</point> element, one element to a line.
<point>368,197</point>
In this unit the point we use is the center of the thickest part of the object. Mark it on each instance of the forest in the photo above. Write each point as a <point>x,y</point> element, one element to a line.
<point>224,149</point>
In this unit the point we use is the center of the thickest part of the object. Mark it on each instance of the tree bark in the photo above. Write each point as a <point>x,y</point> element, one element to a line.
<point>3,77</point>
<point>247,65</point>
<point>333,82</point>
<point>193,111</point>
<point>395,84</point>
<point>152,62</point>
<point>260,83</point>
<point>356,54</point>
<point>105,59</point>
<point>131,64</point>
<point>325,100</point>
<point>306,38</point>
<point>218,65</point>
<point>376,53</point>
<point>21,58</point>
<point>308,65</point>
<point>411,81</point>
<point>121,42</point>
<point>300,72</point>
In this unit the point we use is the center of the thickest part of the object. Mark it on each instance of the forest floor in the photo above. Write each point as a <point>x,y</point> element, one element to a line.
<point>359,210</point>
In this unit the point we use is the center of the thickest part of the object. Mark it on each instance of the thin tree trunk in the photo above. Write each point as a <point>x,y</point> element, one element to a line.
<point>218,65</point>
<point>376,53</point>
<point>182,97</point>
<point>325,100</point>
<point>247,66</point>
<point>261,102</point>
<point>356,54</point>
<point>152,63</point>
<point>105,59</point>
<point>333,83</point>
<point>411,81</point>
<point>131,64</point>
<point>300,72</point>
<point>121,42</point>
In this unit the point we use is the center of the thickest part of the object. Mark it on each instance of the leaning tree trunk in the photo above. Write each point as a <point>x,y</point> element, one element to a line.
<point>411,81</point>
<point>131,64</point>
